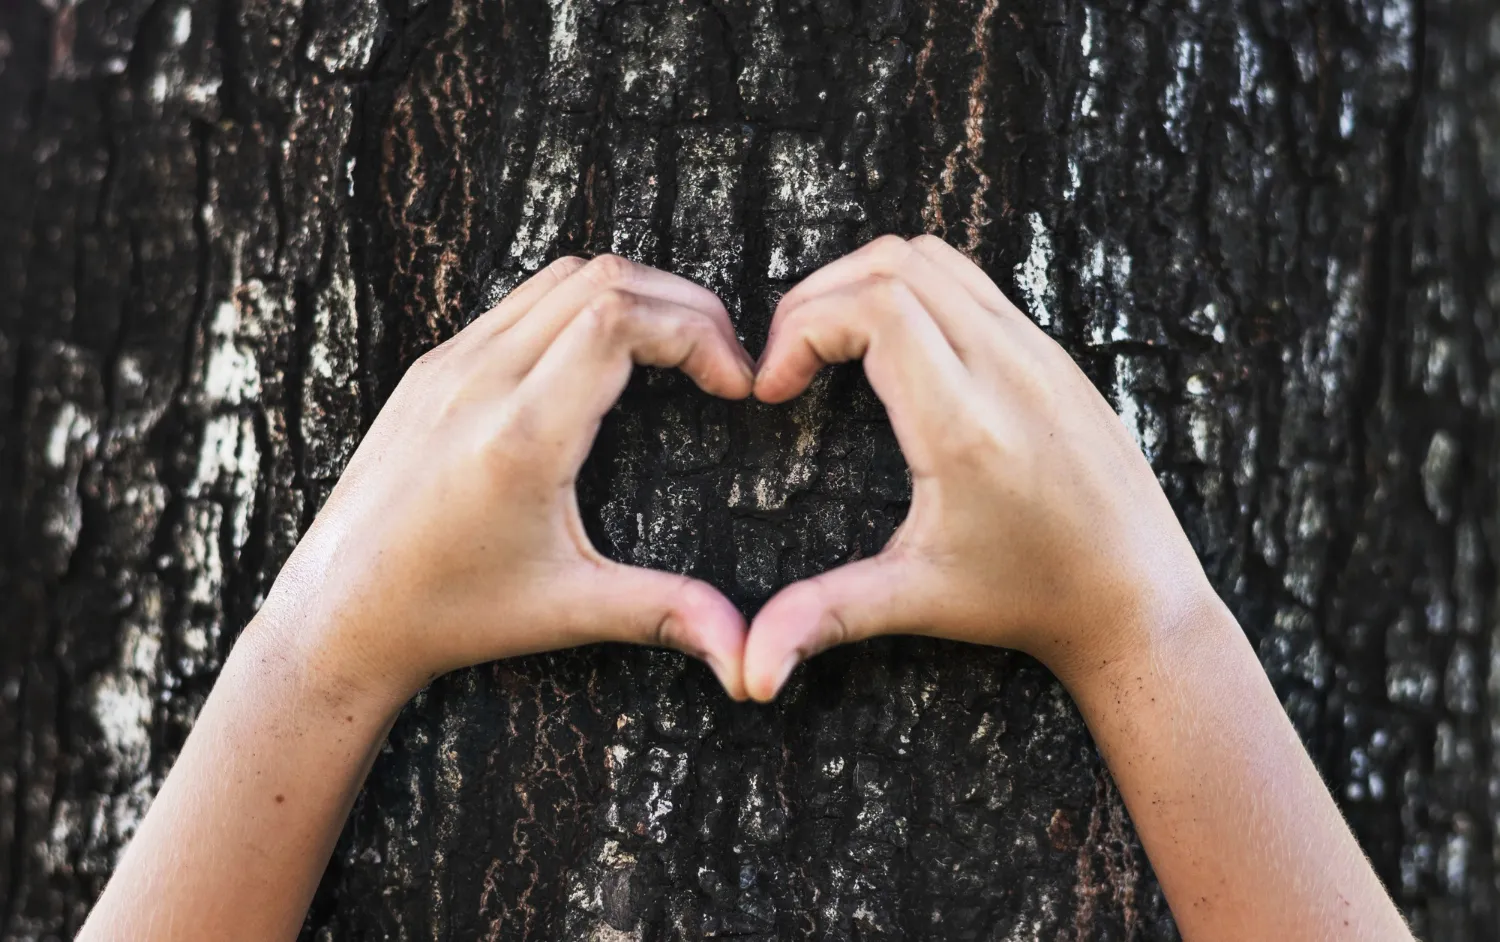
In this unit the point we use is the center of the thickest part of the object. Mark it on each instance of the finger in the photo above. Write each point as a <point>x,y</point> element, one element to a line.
<point>573,385</point>
<point>909,362</point>
<point>963,319</point>
<point>523,296</point>
<point>646,606</point>
<point>962,269</point>
<point>852,603</point>
<point>534,332</point>
<point>843,271</point>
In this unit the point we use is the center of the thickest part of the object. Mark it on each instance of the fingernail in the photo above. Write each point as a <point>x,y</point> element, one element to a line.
<point>787,666</point>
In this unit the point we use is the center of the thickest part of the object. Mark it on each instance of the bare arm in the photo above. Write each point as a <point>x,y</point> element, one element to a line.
<point>1037,524</point>
<point>454,537</point>
<point>237,838</point>
<point>1241,830</point>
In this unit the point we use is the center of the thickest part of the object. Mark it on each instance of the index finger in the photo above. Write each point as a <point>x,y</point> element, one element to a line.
<point>523,296</point>
<point>544,321</point>
<point>566,395</point>
<point>909,362</point>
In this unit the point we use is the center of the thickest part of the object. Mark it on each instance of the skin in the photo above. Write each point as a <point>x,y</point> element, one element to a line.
<point>454,538</point>
<point>1037,524</point>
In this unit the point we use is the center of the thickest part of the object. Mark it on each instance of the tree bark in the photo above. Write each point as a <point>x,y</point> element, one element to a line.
<point>1268,230</point>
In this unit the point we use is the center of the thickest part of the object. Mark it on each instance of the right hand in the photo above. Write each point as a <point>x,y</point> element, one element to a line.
<point>1035,523</point>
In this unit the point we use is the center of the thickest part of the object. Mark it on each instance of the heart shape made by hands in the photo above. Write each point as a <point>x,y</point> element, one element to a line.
<point>1031,508</point>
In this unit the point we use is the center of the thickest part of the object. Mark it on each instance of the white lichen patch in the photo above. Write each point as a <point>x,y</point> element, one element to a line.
<point>779,264</point>
<point>1248,59</point>
<point>1176,96</point>
<point>122,705</point>
<point>652,72</point>
<point>1088,105</point>
<point>1033,274</point>
<point>765,78</point>
<point>203,569</point>
<point>182,26</point>
<point>1453,859</point>
<point>122,708</point>
<point>548,192</point>
<point>800,180</point>
<point>1108,268</point>
<point>1121,265</point>
<point>1438,470</point>
<point>230,457</point>
<point>611,856</point>
<point>1141,421</point>
<point>1075,179</point>
<point>1205,435</point>
<point>563,54</point>
<point>803,184</point>
<point>1399,27</point>
<point>1330,356</point>
<point>572,54</point>
<point>330,388</point>
<point>1347,114</point>
<point>72,438</point>
<point>349,43</point>
<point>67,826</point>
<point>1093,265</point>
<point>231,374</point>
<point>658,806</point>
<point>334,330</point>
<point>1208,321</point>
<point>69,429</point>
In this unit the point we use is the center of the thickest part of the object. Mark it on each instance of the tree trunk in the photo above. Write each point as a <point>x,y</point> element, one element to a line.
<point>1268,230</point>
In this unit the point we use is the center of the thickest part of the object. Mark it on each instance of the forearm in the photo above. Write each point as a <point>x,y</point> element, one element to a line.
<point>1240,829</point>
<point>238,837</point>
<point>452,538</point>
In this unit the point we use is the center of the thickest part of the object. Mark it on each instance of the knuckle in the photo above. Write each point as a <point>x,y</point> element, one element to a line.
<point>511,446</point>
<point>668,629</point>
<point>889,253</point>
<point>833,628</point>
<point>696,328</point>
<point>662,635</point>
<point>927,242</point>
<point>886,294</point>
<point>609,269</point>
<point>973,444</point>
<point>609,314</point>
<point>837,632</point>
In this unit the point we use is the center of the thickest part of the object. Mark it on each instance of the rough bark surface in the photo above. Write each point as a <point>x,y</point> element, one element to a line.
<point>1267,229</point>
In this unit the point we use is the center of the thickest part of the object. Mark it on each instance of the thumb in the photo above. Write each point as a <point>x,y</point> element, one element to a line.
<point>647,606</point>
<point>863,599</point>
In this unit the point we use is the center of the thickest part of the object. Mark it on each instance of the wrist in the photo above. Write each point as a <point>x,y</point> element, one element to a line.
<point>1165,625</point>
<point>294,632</point>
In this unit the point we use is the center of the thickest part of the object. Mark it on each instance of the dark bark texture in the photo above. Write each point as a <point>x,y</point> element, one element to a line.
<point>1268,230</point>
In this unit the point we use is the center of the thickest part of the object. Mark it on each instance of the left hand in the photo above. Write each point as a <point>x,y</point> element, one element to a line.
<point>454,535</point>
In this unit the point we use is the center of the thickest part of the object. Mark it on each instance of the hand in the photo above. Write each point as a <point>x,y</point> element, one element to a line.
<point>454,535</point>
<point>1035,521</point>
